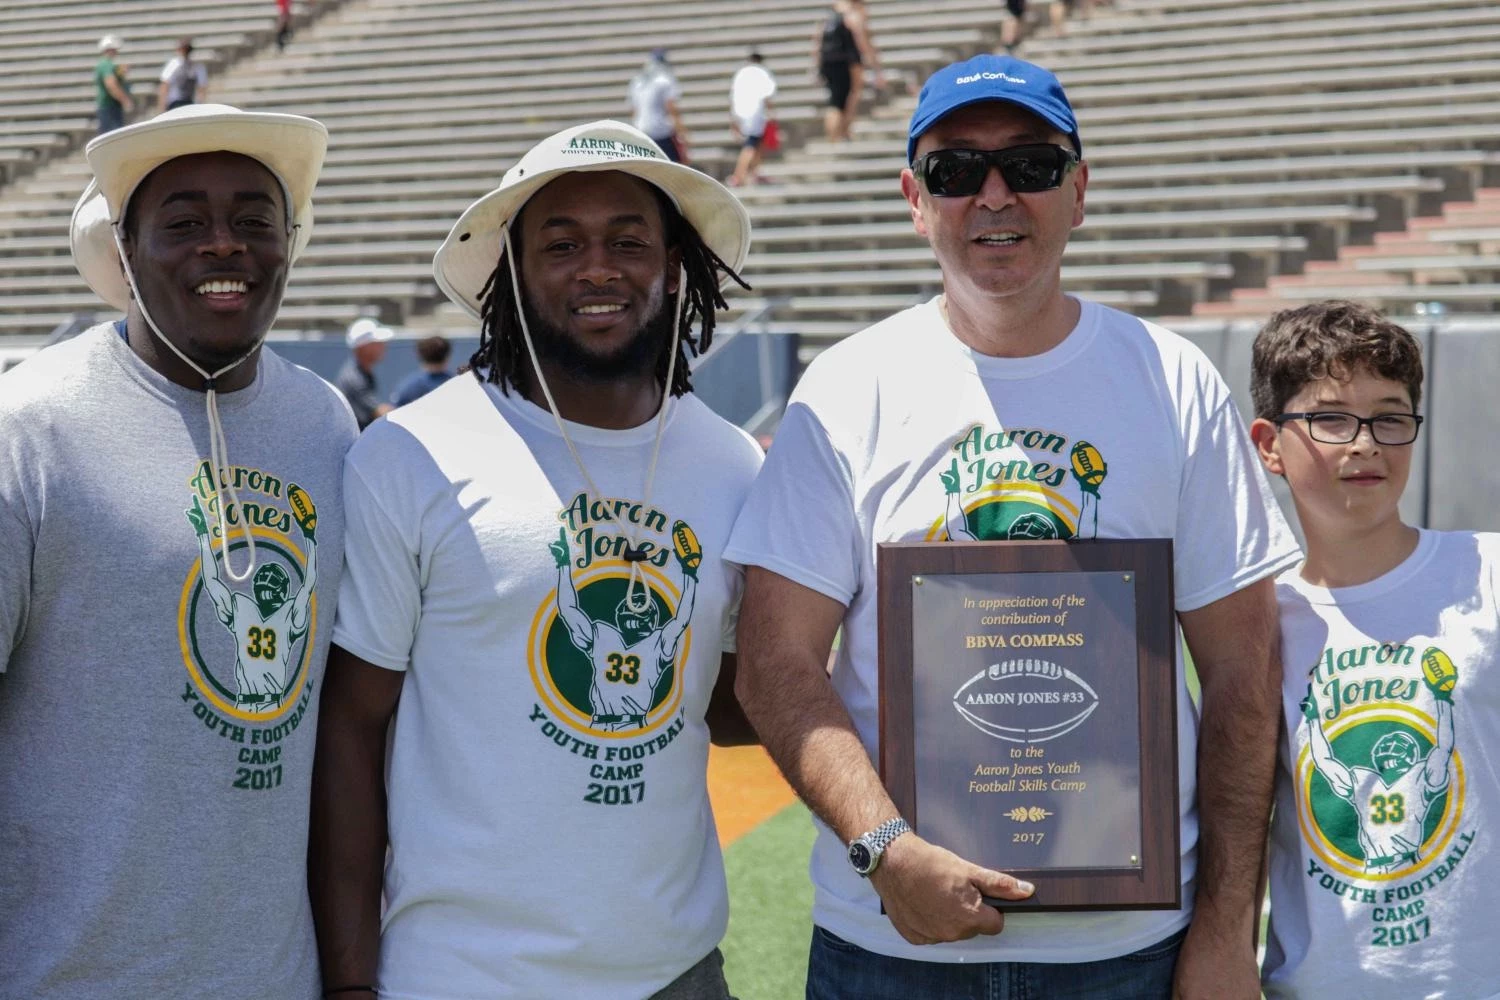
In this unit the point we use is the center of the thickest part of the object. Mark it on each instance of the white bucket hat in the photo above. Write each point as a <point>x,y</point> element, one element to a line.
<point>290,146</point>
<point>109,42</point>
<point>466,258</point>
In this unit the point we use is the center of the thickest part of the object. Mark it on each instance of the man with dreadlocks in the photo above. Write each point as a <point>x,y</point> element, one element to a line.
<point>535,578</point>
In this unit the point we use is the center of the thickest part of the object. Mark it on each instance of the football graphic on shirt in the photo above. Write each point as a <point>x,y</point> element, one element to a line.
<point>1088,466</point>
<point>1031,527</point>
<point>303,508</point>
<point>1439,669</point>
<point>685,544</point>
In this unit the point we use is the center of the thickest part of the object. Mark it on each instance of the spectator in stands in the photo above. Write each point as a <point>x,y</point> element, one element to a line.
<point>905,432</point>
<point>842,47</point>
<point>283,24</point>
<point>183,81</point>
<point>750,108</point>
<point>167,588</point>
<point>654,93</point>
<point>112,93</point>
<point>529,545</point>
<point>1013,24</point>
<point>356,380</point>
<point>433,353</point>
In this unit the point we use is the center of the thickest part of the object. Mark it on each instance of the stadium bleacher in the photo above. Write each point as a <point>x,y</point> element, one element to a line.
<point>1242,156</point>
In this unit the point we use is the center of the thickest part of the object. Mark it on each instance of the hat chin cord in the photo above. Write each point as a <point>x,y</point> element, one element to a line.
<point>218,448</point>
<point>633,554</point>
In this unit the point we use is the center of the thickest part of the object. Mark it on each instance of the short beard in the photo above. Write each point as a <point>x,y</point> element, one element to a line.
<point>637,356</point>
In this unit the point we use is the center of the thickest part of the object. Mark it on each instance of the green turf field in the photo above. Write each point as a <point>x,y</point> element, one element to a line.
<point>770,908</point>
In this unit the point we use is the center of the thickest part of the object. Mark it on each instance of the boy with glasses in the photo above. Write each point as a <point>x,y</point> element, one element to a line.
<point>1390,636</point>
<point>1005,409</point>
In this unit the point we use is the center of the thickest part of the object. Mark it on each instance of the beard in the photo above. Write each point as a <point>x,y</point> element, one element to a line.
<point>637,356</point>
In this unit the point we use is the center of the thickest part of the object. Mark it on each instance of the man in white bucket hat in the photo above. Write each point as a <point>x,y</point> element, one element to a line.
<point>535,576</point>
<point>171,538</point>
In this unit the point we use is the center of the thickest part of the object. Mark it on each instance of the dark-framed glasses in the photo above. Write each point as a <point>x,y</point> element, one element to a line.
<point>960,173</point>
<point>1337,427</point>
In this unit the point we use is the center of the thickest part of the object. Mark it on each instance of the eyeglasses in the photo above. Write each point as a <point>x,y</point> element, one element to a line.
<point>1334,427</point>
<point>960,173</point>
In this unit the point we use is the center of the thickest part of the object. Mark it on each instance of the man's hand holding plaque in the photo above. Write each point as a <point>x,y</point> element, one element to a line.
<point>932,894</point>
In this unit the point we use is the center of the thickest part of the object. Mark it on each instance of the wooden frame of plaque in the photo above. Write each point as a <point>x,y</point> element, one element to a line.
<point>1150,877</point>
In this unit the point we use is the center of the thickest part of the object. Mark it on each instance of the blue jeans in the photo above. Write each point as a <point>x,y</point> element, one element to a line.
<point>111,117</point>
<point>838,970</point>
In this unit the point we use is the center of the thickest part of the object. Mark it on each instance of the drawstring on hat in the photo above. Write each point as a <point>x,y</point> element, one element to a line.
<point>633,554</point>
<point>218,448</point>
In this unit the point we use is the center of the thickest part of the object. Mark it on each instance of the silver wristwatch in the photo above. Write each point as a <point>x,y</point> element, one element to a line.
<point>865,851</point>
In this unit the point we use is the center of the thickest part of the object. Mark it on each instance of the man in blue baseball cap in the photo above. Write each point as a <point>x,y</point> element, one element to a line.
<point>1006,408</point>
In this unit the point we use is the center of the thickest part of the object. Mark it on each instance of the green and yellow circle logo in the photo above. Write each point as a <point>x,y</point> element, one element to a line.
<point>1013,511</point>
<point>1388,826</point>
<point>564,674</point>
<point>218,654</point>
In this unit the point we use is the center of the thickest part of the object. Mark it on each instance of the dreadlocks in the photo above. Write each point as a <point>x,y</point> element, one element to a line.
<point>500,358</point>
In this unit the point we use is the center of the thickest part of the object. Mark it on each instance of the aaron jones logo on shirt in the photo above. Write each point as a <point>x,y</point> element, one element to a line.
<point>1380,783</point>
<point>607,656</point>
<point>1020,484</point>
<point>246,645</point>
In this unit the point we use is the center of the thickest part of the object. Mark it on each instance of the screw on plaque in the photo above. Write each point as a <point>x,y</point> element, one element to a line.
<point>1134,860</point>
<point>916,581</point>
<point>1127,577</point>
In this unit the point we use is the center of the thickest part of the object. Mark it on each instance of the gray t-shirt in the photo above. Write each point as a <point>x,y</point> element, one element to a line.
<point>157,722</point>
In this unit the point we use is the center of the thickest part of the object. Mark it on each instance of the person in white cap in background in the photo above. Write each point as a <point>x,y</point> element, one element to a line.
<point>111,94</point>
<point>356,379</point>
<point>154,788</point>
<point>535,577</point>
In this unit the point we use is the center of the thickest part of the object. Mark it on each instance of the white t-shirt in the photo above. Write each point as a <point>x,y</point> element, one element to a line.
<point>649,95</point>
<point>871,431</point>
<point>1382,869</point>
<point>751,88</point>
<point>546,841</point>
<point>170,75</point>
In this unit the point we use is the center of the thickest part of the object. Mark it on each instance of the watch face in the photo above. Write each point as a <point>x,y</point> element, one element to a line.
<point>860,857</point>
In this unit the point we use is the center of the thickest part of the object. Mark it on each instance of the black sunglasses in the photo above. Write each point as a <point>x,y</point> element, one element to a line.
<point>960,173</point>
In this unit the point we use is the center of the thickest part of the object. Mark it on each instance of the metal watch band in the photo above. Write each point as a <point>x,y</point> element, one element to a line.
<point>885,833</point>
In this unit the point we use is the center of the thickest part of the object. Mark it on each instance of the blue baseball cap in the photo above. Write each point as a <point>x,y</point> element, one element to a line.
<point>992,78</point>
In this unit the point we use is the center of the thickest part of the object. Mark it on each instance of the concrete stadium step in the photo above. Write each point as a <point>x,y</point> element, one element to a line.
<point>1241,56</point>
<point>1472,162</point>
<point>920,253</point>
<point>772,201</point>
<point>1455,267</point>
<point>1124,48</point>
<point>1229,127</point>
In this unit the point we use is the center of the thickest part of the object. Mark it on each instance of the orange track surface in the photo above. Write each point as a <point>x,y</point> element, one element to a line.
<point>745,789</point>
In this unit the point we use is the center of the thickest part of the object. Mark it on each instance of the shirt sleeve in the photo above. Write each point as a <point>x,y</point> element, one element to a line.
<point>167,70</point>
<point>799,520</point>
<point>734,579</point>
<point>380,598</point>
<point>17,545</point>
<point>1230,531</point>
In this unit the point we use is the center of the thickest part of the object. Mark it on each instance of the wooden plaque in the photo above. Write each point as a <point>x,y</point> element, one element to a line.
<point>1028,712</point>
